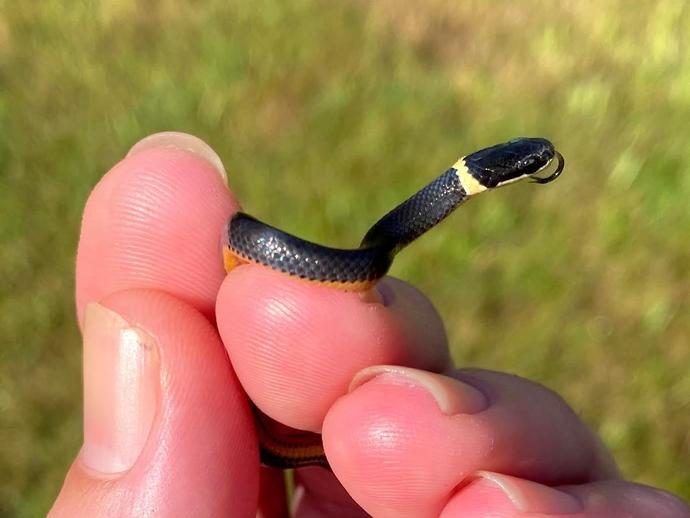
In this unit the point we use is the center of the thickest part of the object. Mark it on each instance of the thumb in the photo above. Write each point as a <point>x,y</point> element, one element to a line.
<point>167,429</point>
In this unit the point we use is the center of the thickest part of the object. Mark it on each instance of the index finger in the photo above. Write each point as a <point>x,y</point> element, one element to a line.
<point>154,221</point>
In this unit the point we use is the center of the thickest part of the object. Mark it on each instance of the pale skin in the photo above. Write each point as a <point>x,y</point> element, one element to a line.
<point>169,432</point>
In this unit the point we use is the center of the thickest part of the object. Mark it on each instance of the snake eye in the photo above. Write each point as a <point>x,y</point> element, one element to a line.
<point>528,163</point>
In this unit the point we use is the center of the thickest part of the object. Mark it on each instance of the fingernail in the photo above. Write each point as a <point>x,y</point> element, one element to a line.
<point>452,396</point>
<point>185,142</point>
<point>531,497</point>
<point>121,390</point>
<point>379,294</point>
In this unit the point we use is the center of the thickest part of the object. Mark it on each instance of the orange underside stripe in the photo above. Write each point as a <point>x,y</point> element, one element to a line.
<point>232,260</point>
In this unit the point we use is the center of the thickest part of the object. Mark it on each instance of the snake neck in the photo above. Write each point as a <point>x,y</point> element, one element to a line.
<point>417,214</point>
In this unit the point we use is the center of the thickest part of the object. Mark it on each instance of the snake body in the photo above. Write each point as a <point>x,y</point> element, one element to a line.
<point>248,240</point>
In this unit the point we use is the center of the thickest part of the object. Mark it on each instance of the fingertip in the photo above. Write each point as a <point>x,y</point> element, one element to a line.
<point>403,439</point>
<point>292,333</point>
<point>154,222</point>
<point>310,340</point>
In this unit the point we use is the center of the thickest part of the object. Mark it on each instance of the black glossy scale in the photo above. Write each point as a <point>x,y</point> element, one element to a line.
<point>417,214</point>
<point>255,241</point>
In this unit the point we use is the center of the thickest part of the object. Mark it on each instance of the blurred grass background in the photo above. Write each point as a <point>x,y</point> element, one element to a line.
<point>326,115</point>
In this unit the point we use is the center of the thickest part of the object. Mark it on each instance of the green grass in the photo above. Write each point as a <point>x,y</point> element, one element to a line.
<point>326,114</point>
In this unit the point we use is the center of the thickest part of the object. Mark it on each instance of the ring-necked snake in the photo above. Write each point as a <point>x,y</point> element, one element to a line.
<point>248,240</point>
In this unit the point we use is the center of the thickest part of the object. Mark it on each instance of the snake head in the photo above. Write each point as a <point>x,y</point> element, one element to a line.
<point>515,160</point>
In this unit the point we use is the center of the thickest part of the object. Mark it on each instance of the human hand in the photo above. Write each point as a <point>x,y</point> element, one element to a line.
<point>168,429</point>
